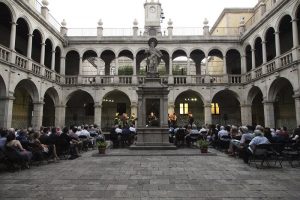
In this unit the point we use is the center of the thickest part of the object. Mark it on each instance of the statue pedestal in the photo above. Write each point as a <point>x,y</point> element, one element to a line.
<point>153,97</point>
<point>151,138</point>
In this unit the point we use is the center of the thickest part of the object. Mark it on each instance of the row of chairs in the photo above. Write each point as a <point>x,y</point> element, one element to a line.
<point>277,153</point>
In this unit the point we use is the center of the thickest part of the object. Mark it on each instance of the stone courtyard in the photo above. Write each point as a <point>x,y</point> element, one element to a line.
<point>124,174</point>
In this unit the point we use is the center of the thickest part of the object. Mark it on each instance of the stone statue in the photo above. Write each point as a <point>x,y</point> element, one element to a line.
<point>154,56</point>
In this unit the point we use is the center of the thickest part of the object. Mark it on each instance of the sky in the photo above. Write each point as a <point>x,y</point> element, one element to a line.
<point>121,13</point>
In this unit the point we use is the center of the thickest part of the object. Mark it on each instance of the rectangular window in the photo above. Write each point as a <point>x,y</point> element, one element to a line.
<point>184,108</point>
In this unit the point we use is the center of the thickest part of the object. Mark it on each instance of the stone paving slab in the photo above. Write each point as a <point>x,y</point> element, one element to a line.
<point>151,175</point>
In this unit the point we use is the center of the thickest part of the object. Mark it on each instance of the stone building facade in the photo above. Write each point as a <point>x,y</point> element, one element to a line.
<point>247,67</point>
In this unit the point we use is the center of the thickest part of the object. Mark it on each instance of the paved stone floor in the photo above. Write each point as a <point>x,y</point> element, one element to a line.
<point>146,176</point>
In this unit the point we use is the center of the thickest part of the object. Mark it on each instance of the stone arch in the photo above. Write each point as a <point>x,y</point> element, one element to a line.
<point>197,55</point>
<point>270,43</point>
<point>216,48</point>
<point>37,41</point>
<point>255,99</point>
<point>179,49</point>
<point>296,9</point>
<point>30,87</point>
<point>281,94</point>
<point>124,50</point>
<point>258,52</point>
<point>285,30</point>
<point>79,108</point>
<point>3,94</point>
<point>189,101</point>
<point>140,57</point>
<point>215,62</point>
<point>230,111</point>
<point>89,50</point>
<point>48,53</point>
<point>26,95</point>
<point>5,24</point>
<point>108,55</point>
<point>72,62</point>
<point>233,61</point>
<point>58,54</point>
<point>280,17</point>
<point>51,99</point>
<point>11,9</point>
<point>276,86</point>
<point>248,55</point>
<point>22,32</point>
<point>114,101</point>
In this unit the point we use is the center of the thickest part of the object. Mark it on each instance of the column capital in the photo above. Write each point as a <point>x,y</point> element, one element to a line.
<point>60,106</point>
<point>62,57</point>
<point>43,44</point>
<point>14,23</point>
<point>7,98</point>
<point>38,102</point>
<point>253,50</point>
<point>245,105</point>
<point>98,106</point>
<point>30,35</point>
<point>53,51</point>
<point>295,19</point>
<point>296,96</point>
<point>267,102</point>
<point>207,104</point>
<point>276,32</point>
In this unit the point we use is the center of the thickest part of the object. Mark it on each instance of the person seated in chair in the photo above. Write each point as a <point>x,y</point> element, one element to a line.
<point>15,144</point>
<point>239,144</point>
<point>257,140</point>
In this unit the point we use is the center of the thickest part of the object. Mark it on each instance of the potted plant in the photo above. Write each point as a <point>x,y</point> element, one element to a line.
<point>101,144</point>
<point>203,145</point>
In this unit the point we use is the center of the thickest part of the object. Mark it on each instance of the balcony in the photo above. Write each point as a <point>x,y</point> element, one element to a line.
<point>27,65</point>
<point>22,63</point>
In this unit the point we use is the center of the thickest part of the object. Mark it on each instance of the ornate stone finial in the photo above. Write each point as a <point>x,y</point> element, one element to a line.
<point>170,23</point>
<point>64,23</point>
<point>100,23</point>
<point>45,3</point>
<point>242,21</point>
<point>135,22</point>
<point>205,22</point>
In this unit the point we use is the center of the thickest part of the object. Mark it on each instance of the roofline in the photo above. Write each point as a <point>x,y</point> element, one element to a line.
<point>230,10</point>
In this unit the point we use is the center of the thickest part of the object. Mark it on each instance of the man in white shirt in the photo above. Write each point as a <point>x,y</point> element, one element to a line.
<point>257,140</point>
<point>222,132</point>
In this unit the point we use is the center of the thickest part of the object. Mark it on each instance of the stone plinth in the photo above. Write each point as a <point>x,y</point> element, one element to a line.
<point>151,138</point>
<point>153,97</point>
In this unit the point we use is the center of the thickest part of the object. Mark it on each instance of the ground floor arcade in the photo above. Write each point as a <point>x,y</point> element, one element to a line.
<point>274,106</point>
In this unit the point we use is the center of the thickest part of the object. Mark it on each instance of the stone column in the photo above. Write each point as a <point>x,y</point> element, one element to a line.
<point>62,65</point>
<point>295,33</point>
<point>246,114</point>
<point>53,61</point>
<point>297,109</point>
<point>253,59</point>
<point>264,52</point>
<point>207,113</point>
<point>224,66</point>
<point>133,107</point>
<point>6,108</point>
<point>277,44</point>
<point>171,66</point>
<point>134,66</point>
<point>80,66</point>
<point>98,114</point>
<point>29,46</point>
<point>13,32</point>
<point>43,53</point>
<point>243,64</point>
<point>37,118</point>
<point>60,116</point>
<point>117,66</point>
<point>269,114</point>
<point>188,66</point>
